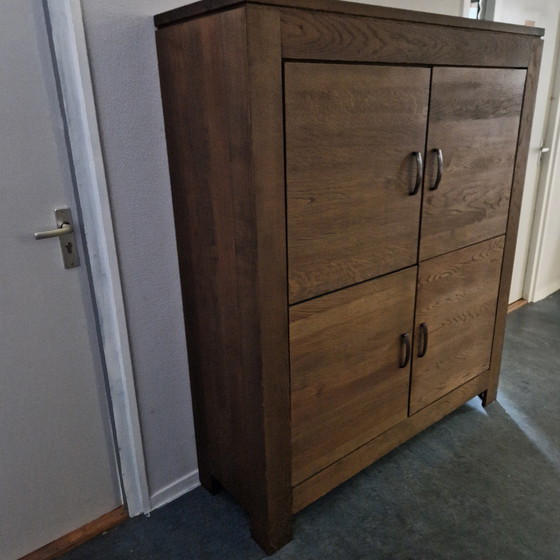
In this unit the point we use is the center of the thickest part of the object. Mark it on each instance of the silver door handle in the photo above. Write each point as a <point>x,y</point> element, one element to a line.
<point>65,233</point>
<point>439,173</point>
<point>64,229</point>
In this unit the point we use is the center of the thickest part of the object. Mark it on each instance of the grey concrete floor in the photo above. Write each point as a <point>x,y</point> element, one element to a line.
<point>480,484</point>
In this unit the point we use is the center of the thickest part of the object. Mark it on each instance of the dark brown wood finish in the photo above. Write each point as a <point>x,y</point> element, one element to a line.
<point>350,214</point>
<point>355,8</point>
<point>456,299</point>
<point>222,88</point>
<point>271,522</point>
<point>329,478</point>
<point>346,380</point>
<point>474,120</point>
<point>233,281</point>
<point>325,36</point>
<point>513,219</point>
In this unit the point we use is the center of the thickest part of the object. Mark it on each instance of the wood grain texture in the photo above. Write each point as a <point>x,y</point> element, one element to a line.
<point>229,221</point>
<point>326,36</point>
<point>350,215</point>
<point>222,89</point>
<point>474,120</point>
<point>271,523</point>
<point>206,6</point>
<point>513,218</point>
<point>198,144</point>
<point>318,485</point>
<point>79,536</point>
<point>347,386</point>
<point>456,298</point>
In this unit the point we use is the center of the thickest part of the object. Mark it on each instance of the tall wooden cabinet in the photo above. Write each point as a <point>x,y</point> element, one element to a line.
<point>346,186</point>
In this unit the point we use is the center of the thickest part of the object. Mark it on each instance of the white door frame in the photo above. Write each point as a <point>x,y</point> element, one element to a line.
<point>74,79</point>
<point>546,180</point>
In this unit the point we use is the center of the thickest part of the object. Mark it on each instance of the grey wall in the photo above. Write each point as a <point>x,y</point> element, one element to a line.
<point>121,45</point>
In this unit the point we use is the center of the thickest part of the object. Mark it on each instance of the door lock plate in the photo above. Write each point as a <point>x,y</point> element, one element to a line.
<point>68,244</point>
<point>65,233</point>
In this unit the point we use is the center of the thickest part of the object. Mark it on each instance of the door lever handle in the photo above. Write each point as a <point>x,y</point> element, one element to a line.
<point>65,233</point>
<point>64,229</point>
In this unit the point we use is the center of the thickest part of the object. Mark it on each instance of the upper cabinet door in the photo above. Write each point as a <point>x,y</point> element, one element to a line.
<point>472,139</point>
<point>352,134</point>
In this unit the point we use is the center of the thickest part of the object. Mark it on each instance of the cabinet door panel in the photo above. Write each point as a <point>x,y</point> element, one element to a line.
<point>474,120</point>
<point>346,383</point>
<point>457,297</point>
<point>351,131</point>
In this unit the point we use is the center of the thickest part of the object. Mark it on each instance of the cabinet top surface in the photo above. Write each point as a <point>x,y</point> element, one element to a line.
<point>342,7</point>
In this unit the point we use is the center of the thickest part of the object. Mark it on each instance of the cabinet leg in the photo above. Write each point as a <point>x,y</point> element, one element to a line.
<point>209,482</point>
<point>271,535</point>
<point>489,396</point>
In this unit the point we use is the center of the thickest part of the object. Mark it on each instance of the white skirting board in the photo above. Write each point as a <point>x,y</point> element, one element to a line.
<point>175,490</point>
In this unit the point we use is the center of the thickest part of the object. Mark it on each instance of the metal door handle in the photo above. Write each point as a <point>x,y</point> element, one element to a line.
<point>65,233</point>
<point>405,340</point>
<point>424,334</point>
<point>64,229</point>
<point>419,173</point>
<point>439,172</point>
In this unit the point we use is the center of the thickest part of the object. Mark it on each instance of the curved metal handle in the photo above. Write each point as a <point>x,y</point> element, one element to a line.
<point>424,338</point>
<point>64,229</point>
<point>405,341</point>
<point>419,173</point>
<point>439,172</point>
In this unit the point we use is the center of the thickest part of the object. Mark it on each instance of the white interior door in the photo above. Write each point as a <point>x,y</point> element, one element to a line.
<point>542,13</point>
<point>58,468</point>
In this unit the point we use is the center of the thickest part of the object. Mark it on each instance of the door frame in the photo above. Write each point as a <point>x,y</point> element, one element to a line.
<point>72,71</point>
<point>546,178</point>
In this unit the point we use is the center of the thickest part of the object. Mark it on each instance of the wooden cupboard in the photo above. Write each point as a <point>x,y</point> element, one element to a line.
<point>346,187</point>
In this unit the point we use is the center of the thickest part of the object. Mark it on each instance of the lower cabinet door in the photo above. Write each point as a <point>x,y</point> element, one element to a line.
<point>350,369</point>
<point>455,316</point>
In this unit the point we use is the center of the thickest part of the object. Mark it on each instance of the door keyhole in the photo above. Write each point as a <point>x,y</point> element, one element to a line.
<point>69,247</point>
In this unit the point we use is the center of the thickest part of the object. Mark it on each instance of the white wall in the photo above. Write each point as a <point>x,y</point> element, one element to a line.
<point>447,7</point>
<point>121,46</point>
<point>546,14</point>
<point>547,279</point>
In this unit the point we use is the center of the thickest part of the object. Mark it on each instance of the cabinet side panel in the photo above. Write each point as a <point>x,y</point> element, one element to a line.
<point>223,114</point>
<point>513,218</point>
<point>204,90</point>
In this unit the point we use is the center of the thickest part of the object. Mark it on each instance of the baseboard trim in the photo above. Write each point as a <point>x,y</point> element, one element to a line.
<point>516,305</point>
<point>175,489</point>
<point>79,536</point>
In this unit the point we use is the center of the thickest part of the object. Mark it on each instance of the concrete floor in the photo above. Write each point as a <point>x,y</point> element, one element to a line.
<point>480,484</point>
